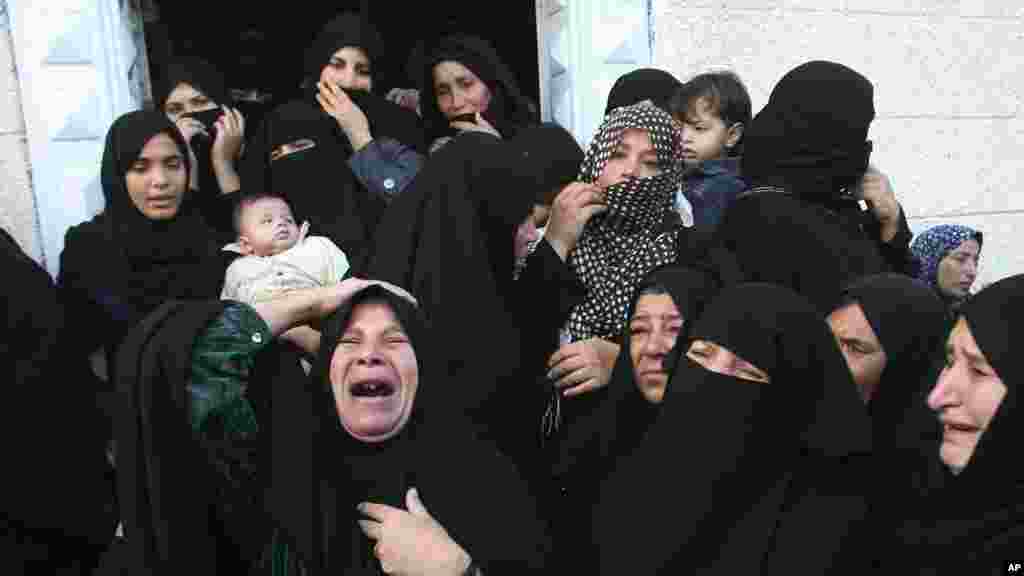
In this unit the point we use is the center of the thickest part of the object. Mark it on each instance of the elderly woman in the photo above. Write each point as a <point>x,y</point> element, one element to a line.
<point>354,457</point>
<point>634,167</point>
<point>975,523</point>
<point>667,305</point>
<point>947,257</point>
<point>751,464</point>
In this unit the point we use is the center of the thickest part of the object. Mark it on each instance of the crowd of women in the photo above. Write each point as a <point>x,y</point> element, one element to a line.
<point>435,336</point>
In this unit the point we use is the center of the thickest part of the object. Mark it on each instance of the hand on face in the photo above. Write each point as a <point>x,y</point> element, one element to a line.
<point>574,206</point>
<point>877,191</point>
<point>582,366</point>
<point>339,106</point>
<point>410,542</point>
<point>227,146</point>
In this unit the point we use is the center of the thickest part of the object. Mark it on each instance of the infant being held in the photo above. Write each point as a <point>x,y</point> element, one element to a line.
<point>277,258</point>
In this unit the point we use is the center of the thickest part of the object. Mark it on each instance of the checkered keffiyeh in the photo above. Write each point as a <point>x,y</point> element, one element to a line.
<point>620,247</point>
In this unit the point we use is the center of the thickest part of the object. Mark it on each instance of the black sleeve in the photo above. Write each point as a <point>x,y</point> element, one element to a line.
<point>547,291</point>
<point>896,252</point>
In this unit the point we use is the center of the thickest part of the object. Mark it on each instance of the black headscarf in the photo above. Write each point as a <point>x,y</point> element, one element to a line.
<point>127,263</point>
<point>317,181</point>
<point>620,247</point>
<point>198,74</point>
<point>621,417</point>
<point>811,137</point>
<point>730,504</point>
<point>979,515</point>
<point>651,84</point>
<point>347,29</point>
<point>449,239</point>
<point>809,248</point>
<point>465,484</point>
<point>205,78</point>
<point>508,110</point>
<point>910,322</point>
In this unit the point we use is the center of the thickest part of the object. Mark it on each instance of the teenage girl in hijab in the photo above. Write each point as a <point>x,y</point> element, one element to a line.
<point>750,465</point>
<point>651,84</point>
<point>465,87</point>
<point>196,99</point>
<point>890,330</point>
<point>635,163</point>
<point>395,482</point>
<point>150,243</point>
<point>667,305</point>
<point>947,257</point>
<point>806,155</point>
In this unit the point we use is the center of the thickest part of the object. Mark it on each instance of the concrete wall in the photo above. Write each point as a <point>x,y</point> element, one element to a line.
<point>17,206</point>
<point>948,92</point>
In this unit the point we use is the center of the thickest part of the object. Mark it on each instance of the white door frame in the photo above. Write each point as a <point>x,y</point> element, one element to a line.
<point>74,60</point>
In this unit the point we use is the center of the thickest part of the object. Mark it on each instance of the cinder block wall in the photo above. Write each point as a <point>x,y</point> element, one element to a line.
<point>17,205</point>
<point>948,83</point>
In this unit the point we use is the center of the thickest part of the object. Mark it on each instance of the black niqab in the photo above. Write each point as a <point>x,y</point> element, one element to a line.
<point>465,484</point>
<point>811,137</point>
<point>729,507</point>
<point>347,29</point>
<point>652,84</point>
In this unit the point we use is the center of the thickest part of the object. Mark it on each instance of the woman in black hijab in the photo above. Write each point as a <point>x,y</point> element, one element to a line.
<point>382,427</point>
<point>196,99</point>
<point>150,243</point>
<point>339,153</point>
<point>764,416</point>
<point>450,238</point>
<point>667,305</point>
<point>806,155</point>
<point>652,84</point>
<point>466,87</point>
<point>975,522</point>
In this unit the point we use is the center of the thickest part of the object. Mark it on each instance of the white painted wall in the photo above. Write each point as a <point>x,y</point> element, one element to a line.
<point>17,207</point>
<point>948,87</point>
<point>79,67</point>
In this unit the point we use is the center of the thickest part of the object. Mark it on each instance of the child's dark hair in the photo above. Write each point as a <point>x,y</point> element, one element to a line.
<point>725,96</point>
<point>246,199</point>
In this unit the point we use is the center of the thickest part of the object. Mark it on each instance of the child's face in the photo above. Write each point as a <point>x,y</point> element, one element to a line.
<point>267,228</point>
<point>705,135</point>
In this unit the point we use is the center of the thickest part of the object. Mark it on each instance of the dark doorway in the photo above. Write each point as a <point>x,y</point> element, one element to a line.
<point>259,47</point>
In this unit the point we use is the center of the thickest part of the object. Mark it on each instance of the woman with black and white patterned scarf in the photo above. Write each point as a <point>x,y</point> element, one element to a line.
<point>635,158</point>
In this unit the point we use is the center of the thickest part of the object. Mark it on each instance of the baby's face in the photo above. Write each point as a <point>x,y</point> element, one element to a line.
<point>268,227</point>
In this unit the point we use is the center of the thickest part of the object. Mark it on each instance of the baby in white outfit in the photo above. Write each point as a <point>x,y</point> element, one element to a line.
<point>278,258</point>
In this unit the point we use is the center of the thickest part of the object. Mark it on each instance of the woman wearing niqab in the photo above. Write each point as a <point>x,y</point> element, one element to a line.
<point>805,153</point>
<point>341,183</point>
<point>450,239</point>
<point>744,469</point>
<point>476,494</point>
<point>617,424</point>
